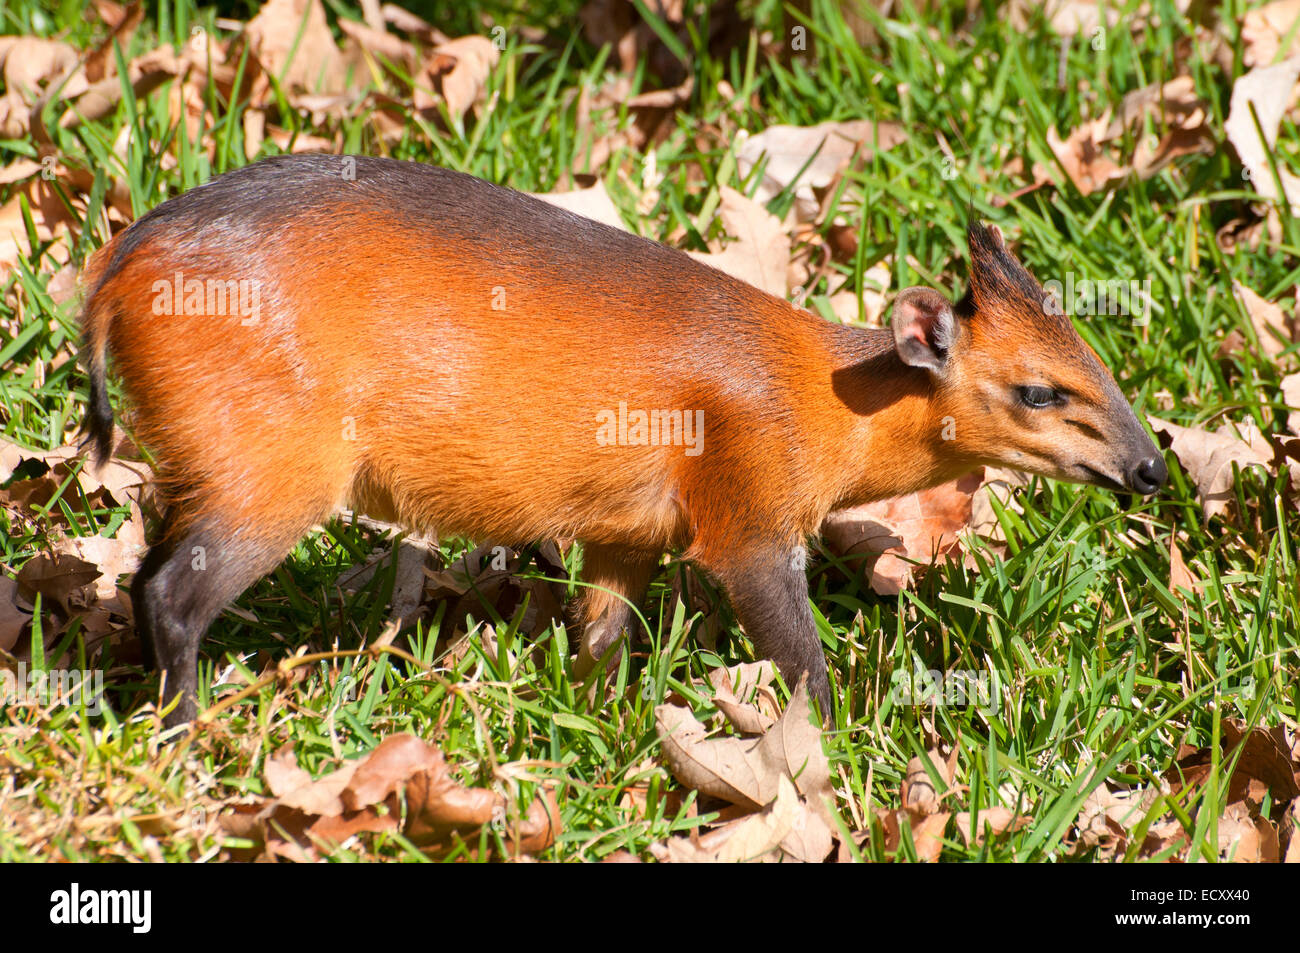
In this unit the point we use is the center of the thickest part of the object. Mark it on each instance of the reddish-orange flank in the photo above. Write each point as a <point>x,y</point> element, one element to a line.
<point>315,332</point>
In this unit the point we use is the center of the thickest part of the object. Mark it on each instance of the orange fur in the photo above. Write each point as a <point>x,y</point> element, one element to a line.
<point>445,368</point>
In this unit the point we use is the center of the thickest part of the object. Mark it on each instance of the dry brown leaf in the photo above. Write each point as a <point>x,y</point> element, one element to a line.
<point>100,63</point>
<point>787,829</point>
<point>408,22</point>
<point>1239,838</point>
<point>744,694</point>
<point>112,557</point>
<point>746,771</point>
<point>927,835</point>
<point>1263,30</point>
<point>1291,396</point>
<point>379,43</point>
<point>64,581</point>
<point>384,770</point>
<point>1265,758</point>
<point>315,64</point>
<point>19,170</point>
<point>1180,577</point>
<point>1273,328</point>
<point>1208,458</point>
<point>300,143</point>
<point>875,289</point>
<point>592,202</point>
<point>146,72</point>
<point>31,63</point>
<point>1174,108</point>
<point>459,69</point>
<point>13,618</point>
<point>1269,89</point>
<point>920,526</point>
<point>296,788</point>
<point>49,214</point>
<point>787,149</point>
<point>761,252</point>
<point>121,478</point>
<point>1107,820</point>
<point>995,820</point>
<point>1292,855</point>
<point>918,794</point>
<point>362,795</point>
<point>32,68</point>
<point>926,831</point>
<point>1084,159</point>
<point>756,837</point>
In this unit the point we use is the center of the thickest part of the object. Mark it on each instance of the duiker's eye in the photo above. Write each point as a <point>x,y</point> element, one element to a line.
<point>1040,397</point>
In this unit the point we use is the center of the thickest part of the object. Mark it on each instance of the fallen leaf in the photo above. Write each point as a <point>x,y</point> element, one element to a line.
<point>363,795</point>
<point>789,153</point>
<point>1263,30</point>
<point>1084,159</point>
<point>990,820</point>
<point>1239,838</point>
<point>64,581</point>
<point>301,63</point>
<point>1269,89</point>
<point>1002,484</point>
<point>918,793</point>
<point>13,618</point>
<point>113,558</point>
<point>1108,819</point>
<point>761,251</point>
<point>1273,329</point>
<point>1180,577</point>
<point>1292,855</point>
<point>746,771</point>
<point>920,526</point>
<point>1291,396</point>
<point>1208,457</point>
<point>379,43</point>
<point>296,788</point>
<point>744,695</point>
<point>925,830</point>
<point>459,69</point>
<point>592,202</point>
<point>755,837</point>
<point>1265,757</point>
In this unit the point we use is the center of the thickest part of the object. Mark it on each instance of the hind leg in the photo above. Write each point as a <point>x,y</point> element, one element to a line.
<point>768,589</point>
<point>183,584</point>
<point>615,576</point>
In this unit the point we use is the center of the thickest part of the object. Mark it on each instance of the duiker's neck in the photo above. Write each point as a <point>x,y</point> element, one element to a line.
<point>895,438</point>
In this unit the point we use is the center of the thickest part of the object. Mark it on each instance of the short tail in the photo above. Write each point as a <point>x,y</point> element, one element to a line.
<point>99,414</point>
<point>95,318</point>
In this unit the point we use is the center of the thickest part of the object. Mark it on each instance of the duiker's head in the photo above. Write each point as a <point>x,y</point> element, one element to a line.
<point>1022,388</point>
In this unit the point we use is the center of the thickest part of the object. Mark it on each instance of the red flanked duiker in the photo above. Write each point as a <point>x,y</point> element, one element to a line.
<point>315,332</point>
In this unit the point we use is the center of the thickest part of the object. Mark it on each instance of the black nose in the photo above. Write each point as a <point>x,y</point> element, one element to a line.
<point>1148,476</point>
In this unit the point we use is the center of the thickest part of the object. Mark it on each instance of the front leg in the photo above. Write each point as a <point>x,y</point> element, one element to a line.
<point>617,579</point>
<point>768,590</point>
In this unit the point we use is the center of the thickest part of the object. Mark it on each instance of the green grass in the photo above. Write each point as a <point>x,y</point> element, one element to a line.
<point>1101,672</point>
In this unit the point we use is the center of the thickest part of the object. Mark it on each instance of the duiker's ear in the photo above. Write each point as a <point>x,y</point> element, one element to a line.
<point>924,328</point>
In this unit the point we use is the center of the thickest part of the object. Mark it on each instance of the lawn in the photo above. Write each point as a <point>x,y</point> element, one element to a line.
<point>1137,658</point>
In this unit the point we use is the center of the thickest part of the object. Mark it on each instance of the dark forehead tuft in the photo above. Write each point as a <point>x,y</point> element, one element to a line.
<point>997,280</point>
<point>1005,298</point>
